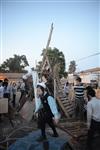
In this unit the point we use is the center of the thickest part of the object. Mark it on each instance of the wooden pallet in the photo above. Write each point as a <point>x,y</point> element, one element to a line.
<point>66,105</point>
<point>77,132</point>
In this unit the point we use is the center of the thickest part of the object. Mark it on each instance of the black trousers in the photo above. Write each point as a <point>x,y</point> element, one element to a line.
<point>94,128</point>
<point>79,108</point>
<point>44,119</point>
<point>14,100</point>
<point>7,95</point>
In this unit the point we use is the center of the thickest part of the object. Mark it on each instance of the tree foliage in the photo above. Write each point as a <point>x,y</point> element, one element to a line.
<point>56,57</point>
<point>15,64</point>
<point>72,67</point>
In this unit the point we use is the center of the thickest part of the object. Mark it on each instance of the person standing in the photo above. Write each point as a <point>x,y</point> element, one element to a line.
<point>1,89</point>
<point>93,117</point>
<point>66,89</point>
<point>14,90</point>
<point>7,89</point>
<point>22,89</point>
<point>47,79</point>
<point>47,111</point>
<point>79,99</point>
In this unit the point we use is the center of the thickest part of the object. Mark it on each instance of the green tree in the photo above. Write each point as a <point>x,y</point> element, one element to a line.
<point>56,57</point>
<point>15,64</point>
<point>72,67</point>
<point>38,66</point>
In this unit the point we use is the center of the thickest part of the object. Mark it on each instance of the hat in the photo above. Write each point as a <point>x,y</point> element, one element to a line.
<point>42,84</point>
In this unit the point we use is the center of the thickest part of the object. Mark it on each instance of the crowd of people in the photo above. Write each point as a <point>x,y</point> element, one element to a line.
<point>9,90</point>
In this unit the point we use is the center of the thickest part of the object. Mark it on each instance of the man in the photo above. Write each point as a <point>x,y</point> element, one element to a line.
<point>7,89</point>
<point>14,91</point>
<point>22,89</point>
<point>1,93</point>
<point>47,111</point>
<point>47,79</point>
<point>66,89</point>
<point>93,116</point>
<point>1,89</point>
<point>79,99</point>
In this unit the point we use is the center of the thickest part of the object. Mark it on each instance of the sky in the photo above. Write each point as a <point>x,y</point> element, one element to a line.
<point>25,26</point>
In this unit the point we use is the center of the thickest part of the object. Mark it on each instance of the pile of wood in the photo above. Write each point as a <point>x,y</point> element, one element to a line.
<point>65,103</point>
<point>77,133</point>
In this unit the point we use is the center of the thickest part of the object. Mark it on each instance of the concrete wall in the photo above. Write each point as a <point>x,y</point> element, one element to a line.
<point>11,76</point>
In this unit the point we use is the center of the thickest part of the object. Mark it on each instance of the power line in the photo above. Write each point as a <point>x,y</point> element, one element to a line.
<point>88,56</point>
<point>83,58</point>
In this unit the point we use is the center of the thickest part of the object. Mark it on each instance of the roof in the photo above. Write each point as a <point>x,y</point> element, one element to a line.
<point>92,70</point>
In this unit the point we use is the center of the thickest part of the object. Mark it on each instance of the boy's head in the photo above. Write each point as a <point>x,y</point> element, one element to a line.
<point>78,80</point>
<point>44,77</point>
<point>6,80</point>
<point>14,83</point>
<point>90,93</point>
<point>41,87</point>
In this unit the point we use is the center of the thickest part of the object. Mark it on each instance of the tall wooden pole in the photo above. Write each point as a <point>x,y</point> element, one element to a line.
<point>49,39</point>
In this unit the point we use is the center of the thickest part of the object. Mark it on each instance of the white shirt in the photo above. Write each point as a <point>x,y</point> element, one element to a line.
<point>22,86</point>
<point>93,110</point>
<point>66,89</point>
<point>8,89</point>
<point>1,91</point>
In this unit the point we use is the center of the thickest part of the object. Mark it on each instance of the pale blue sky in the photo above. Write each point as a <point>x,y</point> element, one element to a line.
<point>25,27</point>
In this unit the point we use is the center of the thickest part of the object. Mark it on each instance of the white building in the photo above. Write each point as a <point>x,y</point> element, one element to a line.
<point>90,75</point>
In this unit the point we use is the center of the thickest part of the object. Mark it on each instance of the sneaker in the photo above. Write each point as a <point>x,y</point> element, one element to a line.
<point>41,139</point>
<point>55,135</point>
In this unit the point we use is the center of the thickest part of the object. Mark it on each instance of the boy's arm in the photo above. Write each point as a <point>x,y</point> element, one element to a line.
<point>37,104</point>
<point>53,107</point>
<point>89,114</point>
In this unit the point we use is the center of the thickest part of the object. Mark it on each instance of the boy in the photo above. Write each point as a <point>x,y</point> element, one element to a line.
<point>47,111</point>
<point>93,116</point>
<point>79,99</point>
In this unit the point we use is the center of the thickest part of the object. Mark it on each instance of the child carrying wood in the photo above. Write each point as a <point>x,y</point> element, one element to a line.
<point>47,111</point>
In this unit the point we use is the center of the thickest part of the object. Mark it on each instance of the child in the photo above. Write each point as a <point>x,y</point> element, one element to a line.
<point>14,90</point>
<point>66,89</point>
<point>47,111</point>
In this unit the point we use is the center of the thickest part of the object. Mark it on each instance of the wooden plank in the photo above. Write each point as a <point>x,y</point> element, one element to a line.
<point>62,107</point>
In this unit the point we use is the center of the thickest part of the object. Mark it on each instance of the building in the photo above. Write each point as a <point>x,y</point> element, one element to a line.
<point>13,77</point>
<point>91,75</point>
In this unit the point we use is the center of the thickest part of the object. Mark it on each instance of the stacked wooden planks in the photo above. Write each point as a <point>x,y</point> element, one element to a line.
<point>77,132</point>
<point>65,102</point>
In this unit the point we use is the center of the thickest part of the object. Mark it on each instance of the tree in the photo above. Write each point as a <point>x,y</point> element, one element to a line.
<point>65,74</point>
<point>15,64</point>
<point>72,67</point>
<point>55,56</point>
<point>38,66</point>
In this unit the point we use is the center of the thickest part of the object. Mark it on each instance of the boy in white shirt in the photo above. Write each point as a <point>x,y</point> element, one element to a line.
<point>93,116</point>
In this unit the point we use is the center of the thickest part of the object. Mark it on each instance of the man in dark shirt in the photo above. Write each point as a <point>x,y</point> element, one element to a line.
<point>79,99</point>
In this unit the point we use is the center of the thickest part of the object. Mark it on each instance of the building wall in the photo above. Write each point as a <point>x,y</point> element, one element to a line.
<point>86,78</point>
<point>13,77</point>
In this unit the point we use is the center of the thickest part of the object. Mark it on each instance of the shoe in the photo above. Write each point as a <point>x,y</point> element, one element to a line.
<point>55,135</point>
<point>41,139</point>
